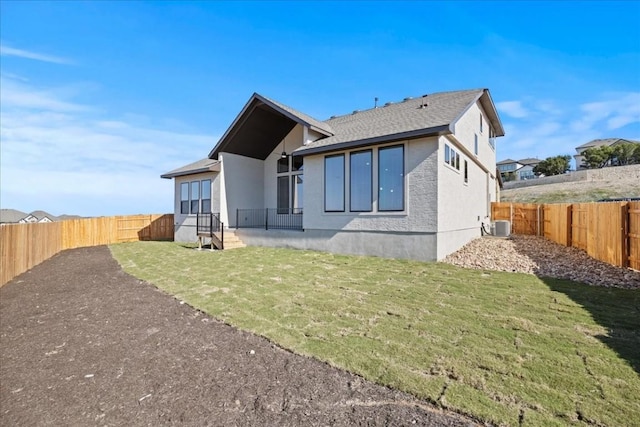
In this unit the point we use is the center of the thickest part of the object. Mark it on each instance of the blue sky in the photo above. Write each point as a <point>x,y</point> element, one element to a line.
<point>97,99</point>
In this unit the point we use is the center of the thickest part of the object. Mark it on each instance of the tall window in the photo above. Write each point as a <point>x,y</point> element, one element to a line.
<point>195,196</point>
<point>481,124</point>
<point>290,184</point>
<point>475,143</point>
<point>206,196</point>
<point>283,194</point>
<point>361,169</point>
<point>391,178</point>
<point>184,198</point>
<point>334,183</point>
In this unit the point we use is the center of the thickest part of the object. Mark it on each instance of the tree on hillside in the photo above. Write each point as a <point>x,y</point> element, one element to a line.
<point>597,157</point>
<point>636,154</point>
<point>623,153</point>
<point>553,165</point>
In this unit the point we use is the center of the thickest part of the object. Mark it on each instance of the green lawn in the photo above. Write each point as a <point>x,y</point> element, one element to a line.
<point>501,347</point>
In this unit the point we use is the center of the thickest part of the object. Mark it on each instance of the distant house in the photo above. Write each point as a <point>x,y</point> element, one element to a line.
<point>11,216</point>
<point>517,170</point>
<point>410,179</point>
<point>38,216</point>
<point>609,142</point>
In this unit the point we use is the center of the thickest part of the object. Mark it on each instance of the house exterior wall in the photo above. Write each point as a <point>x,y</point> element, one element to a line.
<point>185,224</point>
<point>463,206</point>
<point>241,185</point>
<point>420,214</point>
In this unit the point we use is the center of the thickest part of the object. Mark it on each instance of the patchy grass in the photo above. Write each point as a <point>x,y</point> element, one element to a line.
<point>505,348</point>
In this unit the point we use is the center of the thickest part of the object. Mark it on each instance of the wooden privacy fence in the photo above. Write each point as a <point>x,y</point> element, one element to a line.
<point>607,231</point>
<point>23,246</point>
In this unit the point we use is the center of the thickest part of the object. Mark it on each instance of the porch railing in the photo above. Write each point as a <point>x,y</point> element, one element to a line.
<point>209,224</point>
<point>281,219</point>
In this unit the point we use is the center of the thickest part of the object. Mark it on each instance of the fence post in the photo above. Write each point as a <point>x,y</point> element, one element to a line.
<point>570,225</point>
<point>625,234</point>
<point>511,216</point>
<point>266,219</point>
<point>237,216</point>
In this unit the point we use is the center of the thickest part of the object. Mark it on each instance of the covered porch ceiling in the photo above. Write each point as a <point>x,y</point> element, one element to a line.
<point>259,128</point>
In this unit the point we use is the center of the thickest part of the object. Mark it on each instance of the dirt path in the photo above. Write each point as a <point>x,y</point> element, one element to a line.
<point>83,343</point>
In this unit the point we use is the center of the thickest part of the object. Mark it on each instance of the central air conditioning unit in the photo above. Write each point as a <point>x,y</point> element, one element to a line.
<point>501,228</point>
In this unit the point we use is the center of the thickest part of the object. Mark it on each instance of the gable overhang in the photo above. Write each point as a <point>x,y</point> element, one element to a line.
<point>402,136</point>
<point>213,167</point>
<point>258,129</point>
<point>489,108</point>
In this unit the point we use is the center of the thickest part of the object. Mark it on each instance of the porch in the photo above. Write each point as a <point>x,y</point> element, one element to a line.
<point>272,218</point>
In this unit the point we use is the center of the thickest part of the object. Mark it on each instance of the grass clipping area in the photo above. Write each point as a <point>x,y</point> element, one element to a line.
<point>505,348</point>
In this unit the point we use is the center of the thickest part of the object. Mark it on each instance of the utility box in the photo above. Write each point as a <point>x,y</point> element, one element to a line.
<point>501,228</point>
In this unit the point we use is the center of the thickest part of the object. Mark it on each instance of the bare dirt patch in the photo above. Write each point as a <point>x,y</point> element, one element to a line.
<point>84,343</point>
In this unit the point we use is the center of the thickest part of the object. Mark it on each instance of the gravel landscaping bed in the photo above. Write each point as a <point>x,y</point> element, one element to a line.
<point>536,255</point>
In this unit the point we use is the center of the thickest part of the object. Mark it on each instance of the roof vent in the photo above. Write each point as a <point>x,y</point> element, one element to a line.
<point>424,102</point>
<point>407,99</point>
<point>386,104</point>
<point>355,111</point>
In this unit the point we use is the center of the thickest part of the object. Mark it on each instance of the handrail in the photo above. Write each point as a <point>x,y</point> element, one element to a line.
<point>271,218</point>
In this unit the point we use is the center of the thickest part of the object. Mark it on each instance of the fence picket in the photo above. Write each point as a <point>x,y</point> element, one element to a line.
<point>607,231</point>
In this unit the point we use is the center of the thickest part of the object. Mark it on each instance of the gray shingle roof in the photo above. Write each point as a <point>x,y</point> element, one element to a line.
<point>402,119</point>
<point>530,161</point>
<point>314,123</point>
<point>42,214</point>
<point>11,215</point>
<point>203,165</point>
<point>605,141</point>
<point>506,162</point>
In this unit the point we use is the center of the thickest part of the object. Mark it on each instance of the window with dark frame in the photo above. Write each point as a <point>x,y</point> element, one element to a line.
<point>206,196</point>
<point>283,164</point>
<point>195,196</point>
<point>283,194</point>
<point>334,183</point>
<point>184,198</point>
<point>466,172</point>
<point>361,181</point>
<point>391,178</point>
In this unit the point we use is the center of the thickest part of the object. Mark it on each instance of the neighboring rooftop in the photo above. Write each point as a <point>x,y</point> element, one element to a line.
<point>605,142</point>
<point>8,216</point>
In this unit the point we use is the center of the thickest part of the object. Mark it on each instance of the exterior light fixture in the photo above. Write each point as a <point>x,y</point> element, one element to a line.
<point>284,150</point>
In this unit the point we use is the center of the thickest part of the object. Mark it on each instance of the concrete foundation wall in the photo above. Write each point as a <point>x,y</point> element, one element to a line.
<point>417,246</point>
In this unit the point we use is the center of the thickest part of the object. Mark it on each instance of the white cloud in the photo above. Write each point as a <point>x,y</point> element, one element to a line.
<point>616,111</point>
<point>65,157</point>
<point>10,51</point>
<point>512,108</point>
<point>551,128</point>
